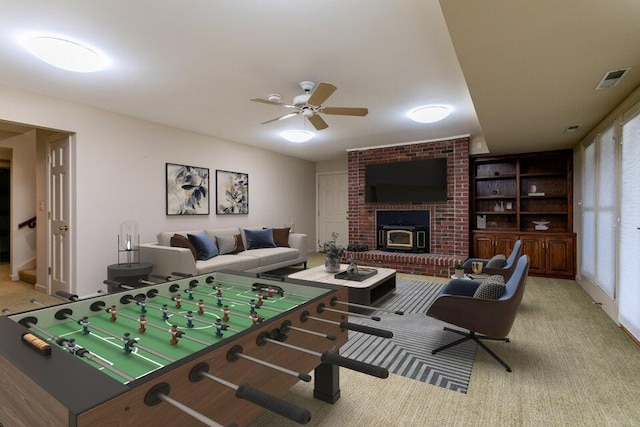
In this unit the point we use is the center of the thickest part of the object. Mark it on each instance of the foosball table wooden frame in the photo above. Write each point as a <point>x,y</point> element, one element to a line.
<point>59,389</point>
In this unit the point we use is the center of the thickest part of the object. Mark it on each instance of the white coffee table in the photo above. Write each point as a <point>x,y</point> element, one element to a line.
<point>365,292</point>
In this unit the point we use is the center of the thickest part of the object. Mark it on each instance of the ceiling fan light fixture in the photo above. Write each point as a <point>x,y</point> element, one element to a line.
<point>297,136</point>
<point>65,54</point>
<point>429,113</point>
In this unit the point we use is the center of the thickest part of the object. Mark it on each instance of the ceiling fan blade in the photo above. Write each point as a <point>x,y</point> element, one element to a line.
<point>322,92</point>
<point>318,122</point>
<point>286,116</point>
<point>266,101</point>
<point>345,111</point>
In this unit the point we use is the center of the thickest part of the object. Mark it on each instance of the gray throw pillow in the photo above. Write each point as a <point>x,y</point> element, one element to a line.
<point>492,287</point>
<point>498,261</point>
<point>226,244</point>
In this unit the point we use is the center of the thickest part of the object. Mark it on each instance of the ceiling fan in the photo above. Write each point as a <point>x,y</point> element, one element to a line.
<point>310,105</point>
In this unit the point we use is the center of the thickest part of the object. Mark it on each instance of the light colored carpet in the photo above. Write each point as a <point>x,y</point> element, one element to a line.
<point>572,366</point>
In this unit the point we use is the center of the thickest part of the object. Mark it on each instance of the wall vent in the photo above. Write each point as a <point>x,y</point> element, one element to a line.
<point>612,78</point>
<point>572,128</point>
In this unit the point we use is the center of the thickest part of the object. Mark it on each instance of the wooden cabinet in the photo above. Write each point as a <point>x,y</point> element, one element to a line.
<point>486,245</point>
<point>526,196</point>
<point>551,255</point>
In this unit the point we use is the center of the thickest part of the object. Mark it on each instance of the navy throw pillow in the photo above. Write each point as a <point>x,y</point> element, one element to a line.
<point>257,239</point>
<point>205,247</point>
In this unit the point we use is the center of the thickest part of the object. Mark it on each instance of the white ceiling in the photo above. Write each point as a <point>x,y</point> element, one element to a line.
<point>530,66</point>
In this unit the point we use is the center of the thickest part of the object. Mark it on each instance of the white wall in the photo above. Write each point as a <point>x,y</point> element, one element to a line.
<point>120,175</point>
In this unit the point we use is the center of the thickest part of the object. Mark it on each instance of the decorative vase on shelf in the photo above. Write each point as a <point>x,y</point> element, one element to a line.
<point>332,265</point>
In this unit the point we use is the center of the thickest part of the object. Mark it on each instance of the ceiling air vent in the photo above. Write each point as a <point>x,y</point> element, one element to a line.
<point>572,128</point>
<point>612,78</point>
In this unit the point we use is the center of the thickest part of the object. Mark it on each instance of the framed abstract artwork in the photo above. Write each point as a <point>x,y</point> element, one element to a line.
<point>232,193</point>
<point>187,190</point>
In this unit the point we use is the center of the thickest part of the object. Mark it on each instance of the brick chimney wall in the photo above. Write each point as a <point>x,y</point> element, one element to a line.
<point>449,219</point>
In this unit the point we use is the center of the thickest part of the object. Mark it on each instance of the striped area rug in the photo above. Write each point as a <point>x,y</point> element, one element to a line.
<point>408,353</point>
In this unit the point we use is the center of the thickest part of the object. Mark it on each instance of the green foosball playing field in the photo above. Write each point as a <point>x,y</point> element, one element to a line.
<point>156,345</point>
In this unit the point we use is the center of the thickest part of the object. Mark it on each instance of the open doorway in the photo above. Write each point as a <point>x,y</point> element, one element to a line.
<point>5,214</point>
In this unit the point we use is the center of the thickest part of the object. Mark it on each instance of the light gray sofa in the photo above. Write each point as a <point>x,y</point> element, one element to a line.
<point>167,259</point>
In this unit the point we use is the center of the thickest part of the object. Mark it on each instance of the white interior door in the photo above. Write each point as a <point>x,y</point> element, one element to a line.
<point>59,215</point>
<point>332,207</point>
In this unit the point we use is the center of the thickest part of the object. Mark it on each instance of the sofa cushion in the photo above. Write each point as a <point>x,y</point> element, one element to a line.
<point>493,287</point>
<point>205,247</point>
<point>498,261</point>
<point>268,256</point>
<point>226,244</point>
<point>281,237</point>
<point>227,262</point>
<point>257,239</point>
<point>179,241</point>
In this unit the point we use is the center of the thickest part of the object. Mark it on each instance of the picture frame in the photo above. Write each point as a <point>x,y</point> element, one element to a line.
<point>187,190</point>
<point>232,193</point>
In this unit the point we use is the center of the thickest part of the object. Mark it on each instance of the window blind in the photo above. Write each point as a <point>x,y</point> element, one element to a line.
<point>629,266</point>
<point>606,212</point>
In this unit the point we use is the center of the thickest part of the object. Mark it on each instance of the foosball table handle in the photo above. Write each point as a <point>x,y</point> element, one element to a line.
<point>356,365</point>
<point>274,404</point>
<point>366,329</point>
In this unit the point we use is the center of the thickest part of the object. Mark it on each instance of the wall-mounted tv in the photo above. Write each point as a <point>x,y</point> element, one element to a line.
<point>413,181</point>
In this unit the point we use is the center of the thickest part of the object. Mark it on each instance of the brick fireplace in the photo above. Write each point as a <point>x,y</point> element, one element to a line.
<point>448,220</point>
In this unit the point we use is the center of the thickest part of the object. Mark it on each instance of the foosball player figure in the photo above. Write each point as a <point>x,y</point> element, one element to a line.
<point>165,312</point>
<point>84,322</point>
<point>218,325</point>
<point>252,306</point>
<point>219,298</point>
<point>143,306</point>
<point>225,313</point>
<point>175,334</point>
<point>178,301</point>
<point>189,317</point>
<point>219,288</point>
<point>260,299</point>
<point>254,317</point>
<point>142,320</point>
<point>200,306</point>
<point>128,342</point>
<point>70,345</point>
<point>189,293</point>
<point>270,291</point>
<point>113,310</point>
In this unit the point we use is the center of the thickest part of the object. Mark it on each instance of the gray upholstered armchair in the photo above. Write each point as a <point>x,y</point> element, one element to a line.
<point>484,318</point>
<point>506,271</point>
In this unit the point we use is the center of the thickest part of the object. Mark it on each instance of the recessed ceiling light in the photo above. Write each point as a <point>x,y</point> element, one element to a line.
<point>429,113</point>
<point>65,54</point>
<point>297,135</point>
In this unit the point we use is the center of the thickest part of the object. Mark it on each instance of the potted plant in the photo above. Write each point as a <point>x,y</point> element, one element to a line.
<point>333,252</point>
<point>459,271</point>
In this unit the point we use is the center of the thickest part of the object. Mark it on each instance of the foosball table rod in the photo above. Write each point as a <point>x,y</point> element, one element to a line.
<point>236,352</point>
<point>326,357</point>
<point>159,393</point>
<point>286,325</point>
<point>258,397</point>
<point>335,301</point>
<point>349,326</point>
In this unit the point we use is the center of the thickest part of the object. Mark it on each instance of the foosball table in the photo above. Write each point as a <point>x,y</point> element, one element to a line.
<point>218,348</point>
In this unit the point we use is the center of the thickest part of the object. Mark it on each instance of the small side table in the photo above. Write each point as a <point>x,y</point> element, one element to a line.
<point>128,273</point>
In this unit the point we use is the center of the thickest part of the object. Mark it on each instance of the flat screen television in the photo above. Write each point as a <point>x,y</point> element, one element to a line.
<point>413,181</point>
